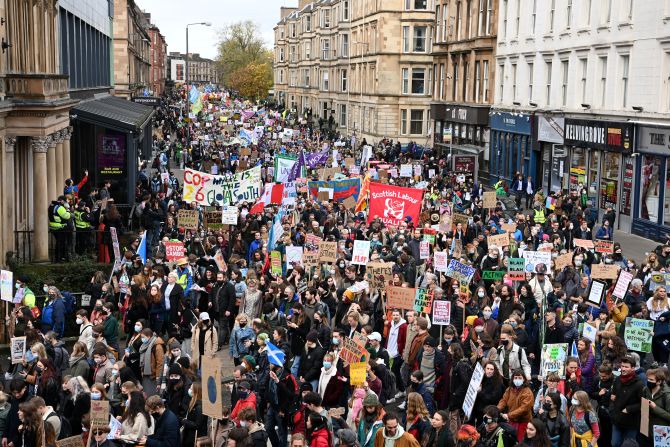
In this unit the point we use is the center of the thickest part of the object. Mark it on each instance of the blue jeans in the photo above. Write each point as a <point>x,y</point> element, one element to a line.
<point>295,366</point>
<point>276,429</point>
<point>619,434</point>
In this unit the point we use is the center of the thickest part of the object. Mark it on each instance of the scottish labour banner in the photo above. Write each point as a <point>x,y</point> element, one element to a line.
<point>393,203</point>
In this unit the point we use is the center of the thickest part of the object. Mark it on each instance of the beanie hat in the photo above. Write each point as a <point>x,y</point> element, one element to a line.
<point>250,360</point>
<point>371,400</point>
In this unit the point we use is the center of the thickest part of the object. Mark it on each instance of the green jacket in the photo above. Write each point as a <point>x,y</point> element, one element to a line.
<point>661,414</point>
<point>111,330</point>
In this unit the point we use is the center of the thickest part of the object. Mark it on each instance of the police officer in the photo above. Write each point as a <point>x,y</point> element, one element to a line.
<point>82,225</point>
<point>60,224</point>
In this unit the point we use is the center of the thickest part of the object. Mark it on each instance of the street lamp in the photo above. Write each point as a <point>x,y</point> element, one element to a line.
<point>188,98</point>
<point>360,75</point>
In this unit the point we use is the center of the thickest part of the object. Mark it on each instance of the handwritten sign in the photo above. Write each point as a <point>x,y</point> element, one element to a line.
<point>493,275</point>
<point>463,273</point>
<point>510,228</point>
<point>188,219</point>
<point>115,242</point>
<point>534,258</point>
<point>213,220</point>
<point>7,285</point>
<point>445,218</point>
<point>553,357</point>
<point>424,250</point>
<point>589,332</point>
<point>351,352</point>
<point>584,243</point>
<point>423,301</point>
<point>293,256</point>
<point>603,246</point>
<point>229,215</point>
<point>72,441</point>
<point>275,262</point>
<point>99,413</point>
<point>357,372</point>
<point>328,251</point>
<point>498,240</point>
<point>473,389</point>
<point>361,253</point>
<point>174,250</point>
<point>596,293</point>
<point>441,312</point>
<point>458,218</point>
<point>489,199</point>
<point>400,298</point>
<point>379,274</point>
<point>604,271</point>
<point>441,261</point>
<point>562,261</point>
<point>622,283</point>
<point>310,259</point>
<point>638,334</point>
<point>661,436</point>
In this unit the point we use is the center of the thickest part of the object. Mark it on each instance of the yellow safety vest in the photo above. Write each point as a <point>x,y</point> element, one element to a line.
<point>79,222</point>
<point>539,217</point>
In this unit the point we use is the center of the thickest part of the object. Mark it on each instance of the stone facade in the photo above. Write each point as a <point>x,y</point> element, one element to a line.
<point>367,65</point>
<point>131,49</point>
<point>201,70</point>
<point>158,58</point>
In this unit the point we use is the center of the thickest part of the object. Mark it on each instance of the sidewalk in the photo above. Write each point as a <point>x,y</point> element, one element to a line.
<point>634,247</point>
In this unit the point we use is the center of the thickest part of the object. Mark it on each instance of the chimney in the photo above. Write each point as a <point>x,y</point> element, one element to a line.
<point>284,11</point>
<point>303,3</point>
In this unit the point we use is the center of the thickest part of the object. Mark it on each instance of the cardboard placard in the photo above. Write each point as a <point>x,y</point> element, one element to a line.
<point>328,251</point>
<point>510,228</point>
<point>72,441</point>
<point>584,243</point>
<point>400,298</point>
<point>644,417</point>
<point>99,413</point>
<point>489,199</point>
<point>352,352</point>
<point>188,219</point>
<point>423,301</point>
<point>174,250</point>
<point>211,386</point>
<point>349,203</point>
<point>310,259</point>
<point>498,240</point>
<point>603,246</point>
<point>357,372</point>
<point>604,271</point>
<point>562,261</point>
<point>323,196</point>
<point>312,242</point>
<point>458,218</point>
<point>379,274</point>
<point>213,220</point>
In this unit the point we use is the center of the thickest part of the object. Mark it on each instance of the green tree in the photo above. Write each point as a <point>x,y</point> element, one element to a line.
<point>252,81</point>
<point>242,46</point>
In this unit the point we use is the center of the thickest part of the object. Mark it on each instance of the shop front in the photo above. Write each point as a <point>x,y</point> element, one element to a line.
<point>461,134</point>
<point>511,146</point>
<point>652,197</point>
<point>601,161</point>
<point>550,174</point>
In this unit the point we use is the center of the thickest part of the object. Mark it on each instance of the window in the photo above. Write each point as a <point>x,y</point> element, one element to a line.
<point>305,77</point>
<point>586,12</point>
<point>458,20</point>
<point>416,4</point>
<point>343,115</point>
<point>552,15</point>
<point>308,50</point>
<point>446,29</point>
<point>477,81</point>
<point>405,39</point>
<point>438,23</point>
<point>292,29</point>
<point>405,81</point>
<point>345,12</point>
<point>345,45</point>
<point>281,76</point>
<point>584,64</point>
<point>343,80</point>
<point>325,49</point>
<point>281,32</point>
<point>454,81</point>
<point>466,79</point>
<point>606,13</point>
<point>485,87</point>
<point>442,83</point>
<point>652,184</point>
<point>416,122</point>
<point>324,79</point>
<point>429,83</point>
<point>564,82</point>
<point>501,82</point>
<point>531,77</point>
<point>603,80</point>
<point>489,16</point>
<point>627,11</point>
<point>308,23</point>
<point>281,55</point>
<point>480,17</point>
<point>420,39</point>
<point>533,18</point>
<point>503,11</point>
<point>568,18</point>
<point>625,60</point>
<point>325,18</point>
<point>434,86</point>
<point>548,88</point>
<point>291,53</point>
<point>403,122</point>
<point>517,19</point>
<point>418,81</point>
<point>513,82</point>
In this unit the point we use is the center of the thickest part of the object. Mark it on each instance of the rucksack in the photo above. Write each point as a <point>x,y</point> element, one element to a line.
<point>70,302</point>
<point>61,358</point>
<point>65,427</point>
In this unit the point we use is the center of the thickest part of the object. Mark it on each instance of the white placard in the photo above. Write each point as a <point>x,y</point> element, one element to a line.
<point>473,388</point>
<point>441,261</point>
<point>361,253</point>
<point>589,332</point>
<point>229,215</point>
<point>293,257</point>
<point>405,170</point>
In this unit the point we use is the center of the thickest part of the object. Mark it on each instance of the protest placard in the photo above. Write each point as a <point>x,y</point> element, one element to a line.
<point>534,258</point>
<point>596,293</point>
<point>99,413</point>
<point>659,279</point>
<point>275,262</point>
<point>584,243</point>
<point>603,246</point>
<point>441,312</point>
<point>445,218</point>
<point>441,261</point>
<point>213,220</point>
<point>424,250</point>
<point>423,301</point>
<point>17,349</point>
<point>229,215</point>
<point>188,219</point>
<point>360,339</point>
<point>174,250</point>
<point>458,218</point>
<point>498,240</point>
<point>510,228</point>
<point>293,256</point>
<point>589,332</point>
<point>622,283</point>
<point>604,271</point>
<point>357,372</point>
<point>379,274</point>
<point>562,261</point>
<point>349,203</point>
<point>361,253</point>
<point>310,259</point>
<point>493,275</point>
<point>406,170</point>
<point>115,242</point>
<point>6,285</point>
<point>72,441</point>
<point>553,358</point>
<point>400,298</point>
<point>661,436</point>
<point>211,386</point>
<point>463,273</point>
<point>644,417</point>
<point>458,249</point>
<point>473,389</point>
<point>351,352</point>
<point>328,251</point>
<point>312,242</point>
<point>489,199</point>
<point>638,334</point>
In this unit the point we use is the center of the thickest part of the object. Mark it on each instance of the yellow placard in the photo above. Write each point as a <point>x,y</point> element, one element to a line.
<point>357,373</point>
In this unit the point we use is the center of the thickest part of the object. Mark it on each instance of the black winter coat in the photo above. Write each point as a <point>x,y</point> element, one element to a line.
<point>627,397</point>
<point>310,365</point>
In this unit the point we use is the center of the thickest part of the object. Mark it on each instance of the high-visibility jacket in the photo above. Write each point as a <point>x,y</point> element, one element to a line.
<point>28,298</point>
<point>58,216</point>
<point>539,217</point>
<point>80,220</point>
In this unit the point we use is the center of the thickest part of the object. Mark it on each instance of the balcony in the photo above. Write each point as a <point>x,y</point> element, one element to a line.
<point>37,87</point>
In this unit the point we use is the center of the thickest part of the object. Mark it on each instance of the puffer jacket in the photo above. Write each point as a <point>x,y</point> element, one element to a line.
<point>517,403</point>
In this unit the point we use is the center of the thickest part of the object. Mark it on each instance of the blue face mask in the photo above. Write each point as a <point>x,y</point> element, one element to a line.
<point>96,396</point>
<point>327,365</point>
<point>145,340</point>
<point>30,356</point>
<point>336,341</point>
<point>127,402</point>
<point>138,328</point>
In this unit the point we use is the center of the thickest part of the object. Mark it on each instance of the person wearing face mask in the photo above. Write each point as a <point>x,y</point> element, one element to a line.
<point>511,356</point>
<point>132,351</point>
<point>658,393</point>
<point>111,326</point>
<point>166,432</point>
<point>85,329</point>
<point>554,418</point>
<point>151,354</point>
<point>310,367</point>
<point>102,372</point>
<point>205,341</point>
<point>176,395</point>
<point>516,404</point>
<point>246,399</point>
<point>136,422</point>
<point>624,406</point>
<point>584,422</point>
<point>53,313</point>
<point>241,339</point>
<point>550,385</point>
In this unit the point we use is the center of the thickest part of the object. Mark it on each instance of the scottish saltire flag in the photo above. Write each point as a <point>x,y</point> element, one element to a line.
<point>245,135</point>
<point>194,94</point>
<point>142,248</point>
<point>275,355</point>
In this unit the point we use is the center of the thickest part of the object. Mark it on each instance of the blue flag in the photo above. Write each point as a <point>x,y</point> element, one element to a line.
<point>275,355</point>
<point>142,248</point>
<point>194,94</point>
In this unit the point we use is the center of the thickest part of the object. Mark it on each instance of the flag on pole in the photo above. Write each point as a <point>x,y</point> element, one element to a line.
<point>273,193</point>
<point>275,355</point>
<point>298,168</point>
<point>142,248</point>
<point>276,231</point>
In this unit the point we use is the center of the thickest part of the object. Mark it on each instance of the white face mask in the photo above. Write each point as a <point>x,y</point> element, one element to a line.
<point>79,321</point>
<point>481,294</point>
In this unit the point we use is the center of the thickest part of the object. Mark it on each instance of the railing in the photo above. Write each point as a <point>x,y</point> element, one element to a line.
<point>23,246</point>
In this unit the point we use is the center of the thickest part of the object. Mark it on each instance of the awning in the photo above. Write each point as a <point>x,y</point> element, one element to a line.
<point>115,113</point>
<point>462,148</point>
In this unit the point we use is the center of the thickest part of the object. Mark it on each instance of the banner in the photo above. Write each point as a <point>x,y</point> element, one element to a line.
<point>342,189</point>
<point>207,189</point>
<point>393,203</point>
<point>553,359</point>
<point>638,334</point>
<point>442,312</point>
<point>473,389</point>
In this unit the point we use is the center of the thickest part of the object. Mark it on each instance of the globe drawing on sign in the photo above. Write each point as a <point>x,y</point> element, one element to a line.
<point>211,389</point>
<point>394,208</point>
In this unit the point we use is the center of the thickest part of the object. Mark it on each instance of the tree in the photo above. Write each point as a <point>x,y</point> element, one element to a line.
<point>240,45</point>
<point>252,81</point>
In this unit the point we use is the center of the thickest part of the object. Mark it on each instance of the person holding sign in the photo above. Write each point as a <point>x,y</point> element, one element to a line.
<point>659,311</point>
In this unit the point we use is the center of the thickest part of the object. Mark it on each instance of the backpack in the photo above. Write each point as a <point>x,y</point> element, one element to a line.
<point>61,358</point>
<point>65,427</point>
<point>69,301</point>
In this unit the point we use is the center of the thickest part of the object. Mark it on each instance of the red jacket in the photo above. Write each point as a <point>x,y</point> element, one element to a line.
<point>249,402</point>
<point>321,438</point>
<point>402,337</point>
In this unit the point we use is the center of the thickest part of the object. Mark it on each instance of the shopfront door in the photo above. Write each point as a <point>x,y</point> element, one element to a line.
<point>625,220</point>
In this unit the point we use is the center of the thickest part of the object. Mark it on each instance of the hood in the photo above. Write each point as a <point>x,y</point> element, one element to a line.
<point>400,323</point>
<point>399,432</point>
<point>256,426</point>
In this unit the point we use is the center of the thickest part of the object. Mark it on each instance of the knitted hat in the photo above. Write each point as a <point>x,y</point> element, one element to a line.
<point>470,321</point>
<point>371,400</point>
<point>430,341</point>
<point>175,369</point>
<point>250,360</point>
<point>174,345</point>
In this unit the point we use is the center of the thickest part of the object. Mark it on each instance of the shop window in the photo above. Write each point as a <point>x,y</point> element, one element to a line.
<point>578,167</point>
<point>594,169</point>
<point>651,185</point>
<point>666,201</point>
<point>609,184</point>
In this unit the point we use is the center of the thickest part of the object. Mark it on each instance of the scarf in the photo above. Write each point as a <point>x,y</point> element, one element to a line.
<point>326,375</point>
<point>74,360</point>
<point>145,356</point>
<point>428,368</point>
<point>626,379</point>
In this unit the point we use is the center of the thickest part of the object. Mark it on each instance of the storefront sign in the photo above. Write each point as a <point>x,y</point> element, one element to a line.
<point>550,129</point>
<point>465,163</point>
<point>151,101</point>
<point>654,140</point>
<point>511,122</point>
<point>599,135</point>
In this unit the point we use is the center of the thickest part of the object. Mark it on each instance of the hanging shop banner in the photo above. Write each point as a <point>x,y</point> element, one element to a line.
<point>207,189</point>
<point>393,203</point>
<point>342,189</point>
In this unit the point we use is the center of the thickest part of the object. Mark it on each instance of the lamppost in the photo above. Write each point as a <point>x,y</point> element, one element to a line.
<point>360,76</point>
<point>188,98</point>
